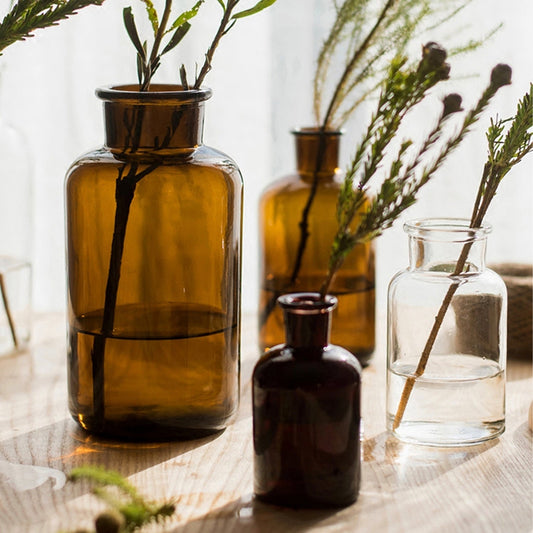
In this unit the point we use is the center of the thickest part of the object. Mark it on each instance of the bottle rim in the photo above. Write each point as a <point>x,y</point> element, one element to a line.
<point>307,303</point>
<point>157,94</point>
<point>446,229</point>
<point>314,131</point>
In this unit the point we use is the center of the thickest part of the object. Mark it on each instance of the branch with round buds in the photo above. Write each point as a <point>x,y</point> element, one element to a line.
<point>400,188</point>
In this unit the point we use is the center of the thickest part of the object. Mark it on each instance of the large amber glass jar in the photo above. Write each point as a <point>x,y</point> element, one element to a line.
<point>285,266</point>
<point>153,256</point>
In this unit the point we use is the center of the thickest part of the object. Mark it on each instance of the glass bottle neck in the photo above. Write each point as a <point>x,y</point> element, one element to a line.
<point>162,121</point>
<point>317,152</point>
<point>438,245</point>
<point>307,320</point>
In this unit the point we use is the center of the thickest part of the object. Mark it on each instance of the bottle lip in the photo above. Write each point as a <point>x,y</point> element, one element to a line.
<point>158,92</point>
<point>446,229</point>
<point>313,131</point>
<point>307,303</point>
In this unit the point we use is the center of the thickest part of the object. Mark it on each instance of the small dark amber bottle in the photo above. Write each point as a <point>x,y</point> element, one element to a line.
<point>306,412</point>
<point>285,266</point>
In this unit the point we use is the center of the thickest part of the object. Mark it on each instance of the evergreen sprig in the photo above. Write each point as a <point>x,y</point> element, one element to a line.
<point>128,511</point>
<point>505,150</point>
<point>400,187</point>
<point>26,16</point>
<point>149,62</point>
<point>364,38</point>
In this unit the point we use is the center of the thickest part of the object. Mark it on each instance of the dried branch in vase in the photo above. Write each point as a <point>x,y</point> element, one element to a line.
<point>131,173</point>
<point>363,40</point>
<point>399,189</point>
<point>509,141</point>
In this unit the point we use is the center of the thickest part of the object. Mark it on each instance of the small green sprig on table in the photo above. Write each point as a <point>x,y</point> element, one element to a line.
<point>128,510</point>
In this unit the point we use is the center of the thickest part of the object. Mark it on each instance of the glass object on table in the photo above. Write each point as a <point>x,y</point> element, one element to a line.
<point>446,338</point>
<point>154,264</point>
<point>16,227</point>
<point>283,266</point>
<point>306,412</point>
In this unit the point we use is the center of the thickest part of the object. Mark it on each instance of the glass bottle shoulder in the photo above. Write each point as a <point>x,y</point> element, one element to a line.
<point>408,279</point>
<point>281,365</point>
<point>295,182</point>
<point>206,159</point>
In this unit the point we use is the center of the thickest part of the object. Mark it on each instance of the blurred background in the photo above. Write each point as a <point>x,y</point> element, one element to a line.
<point>262,88</point>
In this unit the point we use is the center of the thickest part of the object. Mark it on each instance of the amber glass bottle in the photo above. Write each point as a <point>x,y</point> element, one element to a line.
<point>306,412</point>
<point>283,268</point>
<point>153,253</point>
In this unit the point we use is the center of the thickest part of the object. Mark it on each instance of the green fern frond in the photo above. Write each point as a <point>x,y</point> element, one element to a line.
<point>27,16</point>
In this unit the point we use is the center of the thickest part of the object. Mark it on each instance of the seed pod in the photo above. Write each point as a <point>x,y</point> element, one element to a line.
<point>501,75</point>
<point>434,55</point>
<point>452,104</point>
<point>109,522</point>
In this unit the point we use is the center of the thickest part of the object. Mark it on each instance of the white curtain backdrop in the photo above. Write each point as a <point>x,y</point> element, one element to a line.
<point>261,80</point>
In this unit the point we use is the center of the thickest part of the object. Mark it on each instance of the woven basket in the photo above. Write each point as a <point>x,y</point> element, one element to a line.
<point>518,280</point>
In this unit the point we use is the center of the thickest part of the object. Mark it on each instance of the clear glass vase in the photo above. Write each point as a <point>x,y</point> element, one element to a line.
<point>153,264</point>
<point>306,412</point>
<point>446,338</point>
<point>16,216</point>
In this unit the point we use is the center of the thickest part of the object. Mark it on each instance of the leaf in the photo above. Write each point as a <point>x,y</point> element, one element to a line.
<point>179,34</point>
<point>186,16</point>
<point>152,15</point>
<point>221,2</point>
<point>262,4</point>
<point>140,69</point>
<point>129,23</point>
<point>183,77</point>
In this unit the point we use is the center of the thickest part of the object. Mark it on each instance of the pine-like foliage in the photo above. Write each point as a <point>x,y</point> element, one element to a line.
<point>129,511</point>
<point>402,91</point>
<point>26,16</point>
<point>363,39</point>
<point>509,141</point>
<point>148,60</point>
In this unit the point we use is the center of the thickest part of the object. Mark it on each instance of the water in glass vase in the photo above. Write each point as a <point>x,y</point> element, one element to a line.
<point>165,371</point>
<point>353,320</point>
<point>459,400</point>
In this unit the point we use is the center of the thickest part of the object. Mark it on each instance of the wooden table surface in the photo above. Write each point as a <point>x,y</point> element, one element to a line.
<point>405,488</point>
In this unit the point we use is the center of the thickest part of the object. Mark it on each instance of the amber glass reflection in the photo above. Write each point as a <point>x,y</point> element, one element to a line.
<point>169,366</point>
<point>280,213</point>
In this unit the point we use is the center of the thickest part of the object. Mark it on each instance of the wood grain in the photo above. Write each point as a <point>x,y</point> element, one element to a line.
<point>406,488</point>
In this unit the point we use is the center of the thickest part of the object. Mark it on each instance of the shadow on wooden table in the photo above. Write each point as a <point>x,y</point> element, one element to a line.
<point>248,515</point>
<point>33,466</point>
<point>390,465</point>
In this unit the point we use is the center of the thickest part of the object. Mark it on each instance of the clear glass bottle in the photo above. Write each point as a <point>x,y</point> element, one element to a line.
<point>283,269</point>
<point>306,412</point>
<point>16,227</point>
<point>154,261</point>
<point>447,317</point>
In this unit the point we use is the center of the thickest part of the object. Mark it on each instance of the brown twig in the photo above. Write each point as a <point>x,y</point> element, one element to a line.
<point>304,231</point>
<point>222,30</point>
<point>439,318</point>
<point>7,308</point>
<point>333,104</point>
